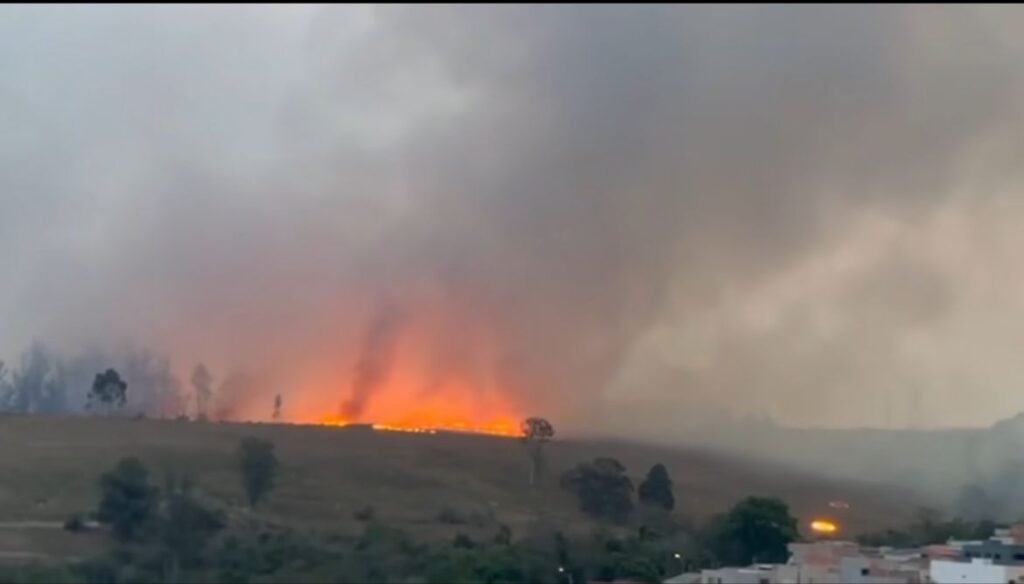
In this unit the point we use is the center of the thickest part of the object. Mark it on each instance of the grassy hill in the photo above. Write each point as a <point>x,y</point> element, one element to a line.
<point>49,468</point>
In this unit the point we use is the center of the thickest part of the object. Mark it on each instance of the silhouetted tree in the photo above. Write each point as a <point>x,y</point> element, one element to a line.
<point>656,489</point>
<point>603,488</point>
<point>155,389</point>
<point>258,466</point>
<point>128,502</point>
<point>38,385</point>
<point>202,383</point>
<point>6,389</point>
<point>757,529</point>
<point>277,407</point>
<point>186,525</point>
<point>108,390</point>
<point>536,433</point>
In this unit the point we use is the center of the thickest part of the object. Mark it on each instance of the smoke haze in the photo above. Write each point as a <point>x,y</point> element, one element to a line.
<point>807,213</point>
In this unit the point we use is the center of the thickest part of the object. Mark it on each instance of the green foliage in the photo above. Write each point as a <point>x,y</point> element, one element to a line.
<point>757,529</point>
<point>128,502</point>
<point>187,526</point>
<point>656,489</point>
<point>603,489</point>
<point>258,465</point>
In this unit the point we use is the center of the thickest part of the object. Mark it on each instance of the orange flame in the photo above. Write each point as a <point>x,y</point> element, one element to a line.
<point>823,526</point>
<point>399,407</point>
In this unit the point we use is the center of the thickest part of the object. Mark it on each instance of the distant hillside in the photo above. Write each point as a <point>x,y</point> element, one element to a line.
<point>939,462</point>
<point>50,467</point>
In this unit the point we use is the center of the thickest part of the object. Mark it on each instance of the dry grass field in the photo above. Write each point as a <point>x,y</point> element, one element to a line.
<point>49,468</point>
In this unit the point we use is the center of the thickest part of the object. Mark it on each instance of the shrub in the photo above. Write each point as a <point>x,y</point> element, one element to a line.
<point>258,467</point>
<point>127,500</point>
<point>365,514</point>
<point>74,523</point>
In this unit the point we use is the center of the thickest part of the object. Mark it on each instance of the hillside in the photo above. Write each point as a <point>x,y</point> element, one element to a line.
<point>50,466</point>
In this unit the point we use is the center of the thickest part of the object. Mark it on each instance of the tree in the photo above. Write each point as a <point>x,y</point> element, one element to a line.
<point>603,488</point>
<point>656,489</point>
<point>536,433</point>
<point>258,465</point>
<point>108,389</point>
<point>155,389</point>
<point>6,388</point>
<point>186,525</point>
<point>757,529</point>
<point>202,382</point>
<point>38,385</point>
<point>277,407</point>
<point>128,502</point>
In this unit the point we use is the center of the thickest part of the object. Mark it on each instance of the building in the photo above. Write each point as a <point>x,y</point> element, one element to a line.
<point>997,560</point>
<point>881,570</point>
<point>976,571</point>
<point>757,574</point>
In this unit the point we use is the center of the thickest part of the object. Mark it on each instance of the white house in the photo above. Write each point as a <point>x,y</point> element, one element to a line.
<point>977,571</point>
<point>757,574</point>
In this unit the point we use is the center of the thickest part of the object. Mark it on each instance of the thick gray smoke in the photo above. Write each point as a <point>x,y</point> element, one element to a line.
<point>807,213</point>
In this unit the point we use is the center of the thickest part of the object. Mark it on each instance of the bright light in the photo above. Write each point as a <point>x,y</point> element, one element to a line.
<point>677,555</point>
<point>823,526</point>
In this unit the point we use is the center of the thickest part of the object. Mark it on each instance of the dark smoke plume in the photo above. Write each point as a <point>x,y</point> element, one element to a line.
<point>631,219</point>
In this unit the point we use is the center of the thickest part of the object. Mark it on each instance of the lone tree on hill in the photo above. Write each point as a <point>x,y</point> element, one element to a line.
<point>128,502</point>
<point>108,389</point>
<point>603,488</point>
<point>258,466</point>
<point>656,489</point>
<point>536,433</point>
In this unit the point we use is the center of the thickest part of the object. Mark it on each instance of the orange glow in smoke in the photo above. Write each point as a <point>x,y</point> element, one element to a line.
<point>438,375</point>
<point>399,406</point>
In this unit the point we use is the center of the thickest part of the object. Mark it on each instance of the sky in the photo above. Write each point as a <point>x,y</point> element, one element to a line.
<point>615,216</point>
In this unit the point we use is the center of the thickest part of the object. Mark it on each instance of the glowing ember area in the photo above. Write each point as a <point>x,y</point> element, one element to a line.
<point>507,430</point>
<point>824,527</point>
<point>402,407</point>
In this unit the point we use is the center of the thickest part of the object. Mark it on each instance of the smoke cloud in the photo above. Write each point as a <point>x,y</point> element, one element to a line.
<point>807,213</point>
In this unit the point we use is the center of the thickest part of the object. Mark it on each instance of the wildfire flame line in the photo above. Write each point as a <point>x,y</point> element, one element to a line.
<point>500,430</point>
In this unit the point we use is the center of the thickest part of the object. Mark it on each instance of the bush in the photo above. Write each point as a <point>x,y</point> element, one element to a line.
<point>74,523</point>
<point>128,502</point>
<point>188,526</point>
<point>450,516</point>
<point>463,541</point>
<point>365,514</point>
<point>258,467</point>
<point>603,489</point>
